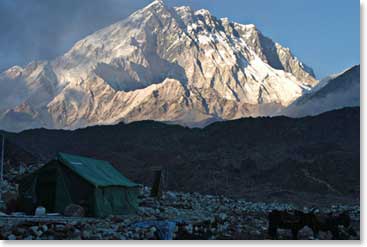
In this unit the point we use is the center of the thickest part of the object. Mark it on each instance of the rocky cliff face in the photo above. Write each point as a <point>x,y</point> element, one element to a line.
<point>166,64</point>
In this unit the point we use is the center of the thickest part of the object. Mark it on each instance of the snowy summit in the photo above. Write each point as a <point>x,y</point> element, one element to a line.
<point>166,64</point>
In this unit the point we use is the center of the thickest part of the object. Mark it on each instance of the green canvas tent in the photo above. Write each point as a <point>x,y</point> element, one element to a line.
<point>94,184</point>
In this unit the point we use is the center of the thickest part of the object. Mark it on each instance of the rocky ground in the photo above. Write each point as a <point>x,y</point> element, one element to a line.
<point>175,216</point>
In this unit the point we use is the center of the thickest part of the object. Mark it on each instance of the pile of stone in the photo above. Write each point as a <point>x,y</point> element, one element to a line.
<point>192,215</point>
<point>8,192</point>
<point>96,229</point>
<point>14,172</point>
<point>8,187</point>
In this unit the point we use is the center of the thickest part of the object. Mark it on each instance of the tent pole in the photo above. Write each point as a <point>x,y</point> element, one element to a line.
<point>2,160</point>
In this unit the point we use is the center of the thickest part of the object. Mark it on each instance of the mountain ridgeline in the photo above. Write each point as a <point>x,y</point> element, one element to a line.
<point>334,92</point>
<point>278,158</point>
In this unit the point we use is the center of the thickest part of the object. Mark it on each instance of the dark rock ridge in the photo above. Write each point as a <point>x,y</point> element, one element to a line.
<point>306,160</point>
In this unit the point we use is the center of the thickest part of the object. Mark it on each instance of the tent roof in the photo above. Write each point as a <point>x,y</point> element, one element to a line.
<point>97,172</point>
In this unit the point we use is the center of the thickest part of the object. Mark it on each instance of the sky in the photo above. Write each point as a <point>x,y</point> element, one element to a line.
<point>324,34</point>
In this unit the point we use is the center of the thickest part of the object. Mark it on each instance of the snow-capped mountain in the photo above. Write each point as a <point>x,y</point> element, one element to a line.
<point>334,92</point>
<point>166,64</point>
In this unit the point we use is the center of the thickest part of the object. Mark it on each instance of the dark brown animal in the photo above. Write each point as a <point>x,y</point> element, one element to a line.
<point>292,220</point>
<point>330,223</point>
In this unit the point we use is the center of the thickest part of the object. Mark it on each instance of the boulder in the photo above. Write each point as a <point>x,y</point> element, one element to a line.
<point>44,228</point>
<point>74,210</point>
<point>40,211</point>
<point>36,231</point>
<point>34,228</point>
<point>12,237</point>
<point>59,227</point>
<point>86,234</point>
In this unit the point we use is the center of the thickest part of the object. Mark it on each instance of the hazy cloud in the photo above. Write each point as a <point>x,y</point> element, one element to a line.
<point>43,29</point>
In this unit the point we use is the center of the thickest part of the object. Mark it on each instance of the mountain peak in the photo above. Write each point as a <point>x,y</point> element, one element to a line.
<point>156,4</point>
<point>160,63</point>
<point>157,7</point>
<point>203,12</point>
